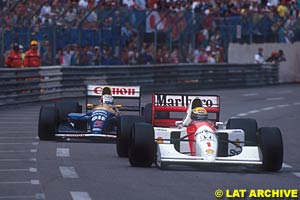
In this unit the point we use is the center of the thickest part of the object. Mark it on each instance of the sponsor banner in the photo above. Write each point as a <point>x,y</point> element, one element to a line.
<point>117,91</point>
<point>185,100</point>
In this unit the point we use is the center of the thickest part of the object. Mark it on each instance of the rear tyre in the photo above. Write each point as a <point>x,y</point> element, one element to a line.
<point>271,146</point>
<point>48,122</point>
<point>249,126</point>
<point>142,145</point>
<point>158,114</point>
<point>123,133</point>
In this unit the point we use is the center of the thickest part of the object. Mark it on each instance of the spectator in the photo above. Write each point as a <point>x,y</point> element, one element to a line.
<point>22,53</point>
<point>67,55</point>
<point>281,56</point>
<point>83,4</point>
<point>97,56</point>
<point>47,57</point>
<point>14,58</point>
<point>211,57</point>
<point>273,58</point>
<point>59,57</point>
<point>32,57</point>
<point>127,32</point>
<point>174,58</point>
<point>258,57</point>
<point>84,59</point>
<point>75,59</point>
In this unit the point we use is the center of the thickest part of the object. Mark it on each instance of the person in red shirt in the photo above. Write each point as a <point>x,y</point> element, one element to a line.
<point>14,58</point>
<point>32,57</point>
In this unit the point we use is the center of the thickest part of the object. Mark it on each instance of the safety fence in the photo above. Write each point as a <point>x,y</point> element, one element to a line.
<point>49,83</point>
<point>117,30</point>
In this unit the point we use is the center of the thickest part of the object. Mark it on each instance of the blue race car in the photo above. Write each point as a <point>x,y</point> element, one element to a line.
<point>66,120</point>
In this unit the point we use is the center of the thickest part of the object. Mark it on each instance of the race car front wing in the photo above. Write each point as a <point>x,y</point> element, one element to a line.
<point>167,155</point>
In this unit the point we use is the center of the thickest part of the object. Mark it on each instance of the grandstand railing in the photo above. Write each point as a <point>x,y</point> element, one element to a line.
<point>27,85</point>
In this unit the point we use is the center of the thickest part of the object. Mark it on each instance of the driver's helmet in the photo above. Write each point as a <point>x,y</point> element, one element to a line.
<point>107,100</point>
<point>199,113</point>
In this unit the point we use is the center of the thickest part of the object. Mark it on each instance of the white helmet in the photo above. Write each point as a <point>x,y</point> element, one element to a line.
<point>107,100</point>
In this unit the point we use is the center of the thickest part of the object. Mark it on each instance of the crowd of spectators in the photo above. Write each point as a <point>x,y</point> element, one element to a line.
<point>279,17</point>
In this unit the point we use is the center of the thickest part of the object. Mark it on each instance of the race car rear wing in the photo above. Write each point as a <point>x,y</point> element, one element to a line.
<point>179,103</point>
<point>118,92</point>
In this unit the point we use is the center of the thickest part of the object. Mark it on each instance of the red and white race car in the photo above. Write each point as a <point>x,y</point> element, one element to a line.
<point>169,141</point>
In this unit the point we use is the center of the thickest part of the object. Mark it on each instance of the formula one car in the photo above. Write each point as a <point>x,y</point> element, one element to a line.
<point>202,141</point>
<point>66,120</point>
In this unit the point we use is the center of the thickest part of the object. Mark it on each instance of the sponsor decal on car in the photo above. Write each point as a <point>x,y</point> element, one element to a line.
<point>117,91</point>
<point>184,100</point>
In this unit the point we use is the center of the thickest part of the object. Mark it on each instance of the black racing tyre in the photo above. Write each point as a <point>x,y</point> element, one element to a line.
<point>124,125</point>
<point>158,114</point>
<point>148,113</point>
<point>48,122</point>
<point>271,146</point>
<point>67,106</point>
<point>248,125</point>
<point>142,146</point>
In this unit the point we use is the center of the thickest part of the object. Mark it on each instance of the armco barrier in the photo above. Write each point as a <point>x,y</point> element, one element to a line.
<point>47,83</point>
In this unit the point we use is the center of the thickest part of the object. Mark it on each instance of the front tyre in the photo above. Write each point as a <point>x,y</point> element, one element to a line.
<point>142,146</point>
<point>124,125</point>
<point>271,146</point>
<point>48,122</point>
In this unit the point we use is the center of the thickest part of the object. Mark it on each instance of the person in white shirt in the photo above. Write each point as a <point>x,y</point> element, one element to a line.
<point>258,57</point>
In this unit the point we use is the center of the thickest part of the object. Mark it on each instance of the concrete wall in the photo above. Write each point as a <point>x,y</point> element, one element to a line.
<point>289,71</point>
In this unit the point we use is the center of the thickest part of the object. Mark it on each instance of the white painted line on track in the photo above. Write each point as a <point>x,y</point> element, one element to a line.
<point>18,151</point>
<point>242,114</point>
<point>36,196</point>
<point>68,172</point>
<point>17,160</point>
<point>284,165</point>
<point>275,99</point>
<point>296,174</point>
<point>32,182</point>
<point>268,108</point>
<point>296,103</point>
<point>253,111</point>
<point>62,152</point>
<point>14,143</point>
<point>17,137</point>
<point>249,94</point>
<point>33,170</point>
<point>80,196</point>
<point>283,105</point>
<point>35,182</point>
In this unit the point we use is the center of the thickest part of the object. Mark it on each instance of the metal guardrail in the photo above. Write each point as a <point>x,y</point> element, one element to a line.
<point>28,85</point>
